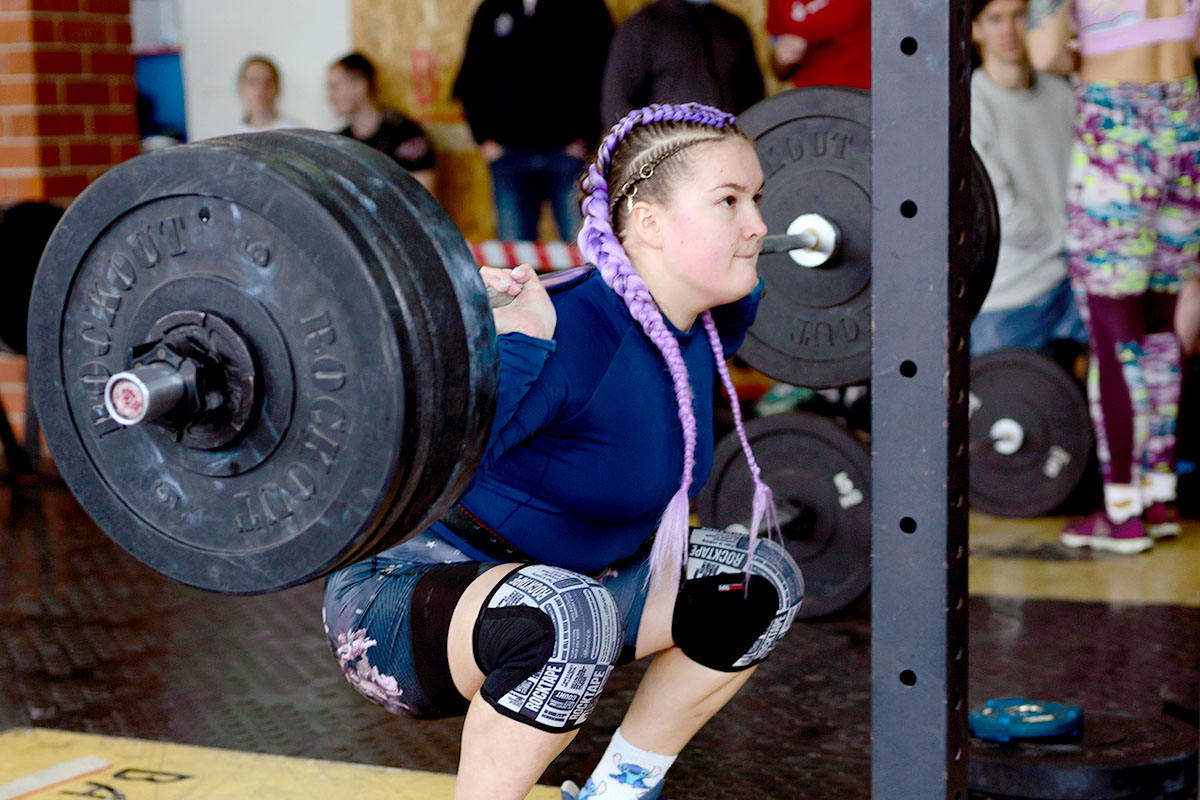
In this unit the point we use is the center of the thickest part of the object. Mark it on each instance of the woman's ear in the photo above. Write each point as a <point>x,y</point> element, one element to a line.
<point>644,224</point>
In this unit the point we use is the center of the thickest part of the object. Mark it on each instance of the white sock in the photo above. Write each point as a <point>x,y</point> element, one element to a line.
<point>1159,487</point>
<point>1122,501</point>
<point>626,772</point>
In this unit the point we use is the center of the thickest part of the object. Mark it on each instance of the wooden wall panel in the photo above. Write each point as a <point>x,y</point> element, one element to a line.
<point>417,46</point>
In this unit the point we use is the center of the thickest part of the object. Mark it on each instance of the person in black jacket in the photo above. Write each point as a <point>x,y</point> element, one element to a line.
<point>530,88</point>
<point>681,51</point>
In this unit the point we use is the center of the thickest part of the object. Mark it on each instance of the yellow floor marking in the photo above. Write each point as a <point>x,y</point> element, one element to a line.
<point>141,770</point>
<point>52,777</point>
<point>1167,574</point>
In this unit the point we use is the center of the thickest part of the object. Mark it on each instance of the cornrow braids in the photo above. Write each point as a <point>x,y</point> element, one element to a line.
<point>651,136</point>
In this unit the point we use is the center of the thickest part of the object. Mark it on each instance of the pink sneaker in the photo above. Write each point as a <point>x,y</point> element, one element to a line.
<point>1099,533</point>
<point>1162,519</point>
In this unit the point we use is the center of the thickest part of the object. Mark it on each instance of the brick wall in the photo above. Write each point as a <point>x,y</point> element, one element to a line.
<point>67,113</point>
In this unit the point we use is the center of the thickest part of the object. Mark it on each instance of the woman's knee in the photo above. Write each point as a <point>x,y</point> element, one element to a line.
<point>726,622</point>
<point>546,640</point>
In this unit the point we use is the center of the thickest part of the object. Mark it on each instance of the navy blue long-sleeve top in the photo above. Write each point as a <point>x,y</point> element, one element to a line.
<point>586,449</point>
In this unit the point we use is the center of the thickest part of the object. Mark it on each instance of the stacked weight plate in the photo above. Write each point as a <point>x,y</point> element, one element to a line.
<point>370,335</point>
<point>814,324</point>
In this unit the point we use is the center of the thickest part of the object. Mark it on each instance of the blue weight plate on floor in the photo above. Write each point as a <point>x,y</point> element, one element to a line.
<point>1006,718</point>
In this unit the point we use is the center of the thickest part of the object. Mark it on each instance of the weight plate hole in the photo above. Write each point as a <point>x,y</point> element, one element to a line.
<point>908,208</point>
<point>205,215</point>
<point>908,525</point>
<point>908,45</point>
<point>908,677</point>
<point>908,369</point>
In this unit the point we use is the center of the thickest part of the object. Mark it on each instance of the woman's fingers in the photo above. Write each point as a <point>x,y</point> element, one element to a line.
<point>519,301</point>
<point>503,285</point>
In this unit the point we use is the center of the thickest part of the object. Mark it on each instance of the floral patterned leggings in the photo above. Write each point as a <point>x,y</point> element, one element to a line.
<point>1134,237</point>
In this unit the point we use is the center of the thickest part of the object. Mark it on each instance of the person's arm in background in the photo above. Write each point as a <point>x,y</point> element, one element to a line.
<point>798,26</point>
<point>414,151</point>
<point>1049,32</point>
<point>1021,224</point>
<point>470,87</point>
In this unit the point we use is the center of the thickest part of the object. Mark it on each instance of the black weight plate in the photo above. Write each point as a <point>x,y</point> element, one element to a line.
<point>338,182</point>
<point>463,388</point>
<point>820,475</point>
<point>1030,433</point>
<point>985,242</point>
<point>229,231</point>
<point>24,230</point>
<point>814,324</point>
<point>1119,756</point>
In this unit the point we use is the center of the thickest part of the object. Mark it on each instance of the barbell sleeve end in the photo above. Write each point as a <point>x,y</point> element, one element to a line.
<point>144,393</point>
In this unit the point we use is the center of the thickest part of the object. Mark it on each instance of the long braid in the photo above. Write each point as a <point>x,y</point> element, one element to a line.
<point>601,245</point>
<point>763,506</point>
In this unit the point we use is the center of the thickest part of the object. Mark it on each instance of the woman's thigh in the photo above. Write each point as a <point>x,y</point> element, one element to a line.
<point>389,621</point>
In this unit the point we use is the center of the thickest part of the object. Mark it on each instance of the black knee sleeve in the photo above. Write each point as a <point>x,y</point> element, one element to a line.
<point>510,645</point>
<point>717,618</point>
<point>546,641</point>
<point>718,621</point>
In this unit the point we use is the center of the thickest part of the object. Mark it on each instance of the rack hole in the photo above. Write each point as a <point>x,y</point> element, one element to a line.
<point>908,208</point>
<point>908,45</point>
<point>908,369</point>
<point>908,524</point>
<point>908,677</point>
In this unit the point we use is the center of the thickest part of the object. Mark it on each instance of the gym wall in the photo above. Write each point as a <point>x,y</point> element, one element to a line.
<point>301,36</point>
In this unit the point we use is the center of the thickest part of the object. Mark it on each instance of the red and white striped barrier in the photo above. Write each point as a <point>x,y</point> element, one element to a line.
<point>539,255</point>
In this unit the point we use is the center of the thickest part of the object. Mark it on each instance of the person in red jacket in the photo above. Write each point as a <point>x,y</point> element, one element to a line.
<point>821,42</point>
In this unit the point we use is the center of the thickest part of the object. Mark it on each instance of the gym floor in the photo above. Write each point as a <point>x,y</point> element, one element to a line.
<point>92,641</point>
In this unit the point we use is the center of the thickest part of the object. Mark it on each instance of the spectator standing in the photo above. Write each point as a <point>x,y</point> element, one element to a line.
<point>258,89</point>
<point>1022,125</point>
<point>530,87</point>
<point>675,51</point>
<point>1133,237</point>
<point>354,94</point>
<point>821,42</point>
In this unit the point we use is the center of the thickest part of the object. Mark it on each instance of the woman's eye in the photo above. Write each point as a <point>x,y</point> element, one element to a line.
<point>729,201</point>
<point>758,198</point>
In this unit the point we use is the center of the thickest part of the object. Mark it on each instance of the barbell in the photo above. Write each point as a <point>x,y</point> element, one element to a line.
<point>260,358</point>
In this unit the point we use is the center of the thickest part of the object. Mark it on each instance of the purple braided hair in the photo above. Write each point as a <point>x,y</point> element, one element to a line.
<point>600,244</point>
